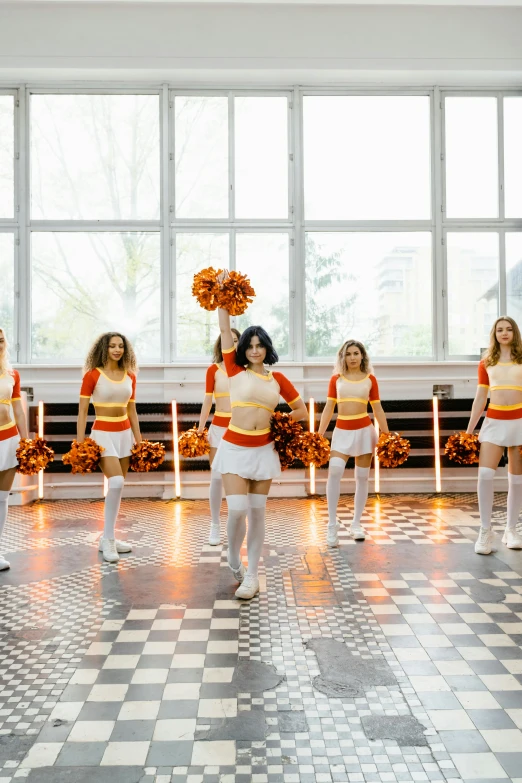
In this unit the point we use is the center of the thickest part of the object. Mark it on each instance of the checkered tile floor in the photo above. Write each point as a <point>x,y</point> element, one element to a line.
<point>129,672</point>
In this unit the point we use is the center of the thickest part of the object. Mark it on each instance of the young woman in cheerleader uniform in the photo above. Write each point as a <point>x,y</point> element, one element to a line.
<point>216,388</point>
<point>13,426</point>
<point>246,456</point>
<point>351,388</point>
<point>500,374</point>
<point>110,381</point>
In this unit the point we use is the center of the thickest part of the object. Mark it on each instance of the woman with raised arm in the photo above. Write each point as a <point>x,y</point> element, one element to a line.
<point>216,388</point>
<point>246,456</point>
<point>500,373</point>
<point>13,426</point>
<point>110,380</point>
<point>351,388</point>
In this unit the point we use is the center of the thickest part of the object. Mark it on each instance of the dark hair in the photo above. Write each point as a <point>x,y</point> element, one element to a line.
<point>217,354</point>
<point>99,353</point>
<point>264,339</point>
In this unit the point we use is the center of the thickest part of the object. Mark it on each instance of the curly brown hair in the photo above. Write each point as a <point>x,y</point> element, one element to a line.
<point>99,353</point>
<point>340,361</point>
<point>217,354</point>
<point>492,354</point>
<point>5,360</point>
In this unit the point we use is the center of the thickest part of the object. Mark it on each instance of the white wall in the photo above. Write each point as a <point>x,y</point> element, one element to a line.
<point>284,43</point>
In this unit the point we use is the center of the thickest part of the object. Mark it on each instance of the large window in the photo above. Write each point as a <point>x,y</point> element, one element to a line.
<point>391,217</point>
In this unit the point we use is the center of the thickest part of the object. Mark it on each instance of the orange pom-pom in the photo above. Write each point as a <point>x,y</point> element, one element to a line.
<point>33,455</point>
<point>313,449</point>
<point>193,443</point>
<point>147,455</point>
<point>286,434</point>
<point>83,457</point>
<point>392,450</point>
<point>206,288</point>
<point>236,293</point>
<point>463,448</point>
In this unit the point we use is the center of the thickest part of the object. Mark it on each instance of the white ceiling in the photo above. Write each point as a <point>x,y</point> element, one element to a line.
<point>489,3</point>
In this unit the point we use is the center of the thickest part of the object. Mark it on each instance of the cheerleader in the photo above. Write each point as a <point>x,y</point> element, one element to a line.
<point>13,426</point>
<point>110,380</point>
<point>216,386</point>
<point>246,456</point>
<point>500,373</point>
<point>351,388</point>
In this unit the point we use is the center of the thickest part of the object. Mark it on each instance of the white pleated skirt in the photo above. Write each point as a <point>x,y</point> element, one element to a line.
<point>116,444</point>
<point>501,432</point>
<point>8,452</point>
<point>215,435</point>
<point>255,463</point>
<point>354,443</point>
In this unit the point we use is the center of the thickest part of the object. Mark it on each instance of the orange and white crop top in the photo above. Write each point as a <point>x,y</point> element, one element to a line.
<point>341,389</point>
<point>104,391</point>
<point>503,375</point>
<point>216,382</point>
<point>9,387</point>
<point>250,390</point>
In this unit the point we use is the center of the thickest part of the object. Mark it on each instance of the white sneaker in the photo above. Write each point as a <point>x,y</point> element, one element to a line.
<point>248,588</point>
<point>358,533</point>
<point>484,543</point>
<point>4,564</point>
<point>512,539</point>
<point>121,546</point>
<point>239,573</point>
<point>110,553</point>
<point>215,535</point>
<point>332,535</point>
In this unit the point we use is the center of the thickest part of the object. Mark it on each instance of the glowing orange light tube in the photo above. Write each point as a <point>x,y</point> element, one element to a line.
<point>312,429</point>
<point>436,437</point>
<point>376,473</point>
<point>177,478</point>
<point>40,434</point>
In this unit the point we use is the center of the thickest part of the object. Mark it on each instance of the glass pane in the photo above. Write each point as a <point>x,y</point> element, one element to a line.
<point>196,329</point>
<point>471,158</point>
<point>265,258</point>
<point>87,283</point>
<point>201,154</point>
<point>6,156</point>
<point>372,287</point>
<point>513,156</point>
<point>472,291</point>
<point>514,276</point>
<point>367,157</point>
<point>95,157</point>
<point>7,287</point>
<point>261,157</point>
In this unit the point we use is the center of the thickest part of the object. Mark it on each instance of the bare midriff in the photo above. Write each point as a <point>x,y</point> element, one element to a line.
<point>251,418</point>
<point>110,411</point>
<point>6,414</point>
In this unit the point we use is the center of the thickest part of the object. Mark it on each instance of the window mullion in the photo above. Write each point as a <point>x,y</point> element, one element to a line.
<point>437,157</point>
<point>502,282</point>
<point>500,145</point>
<point>23,271</point>
<point>231,158</point>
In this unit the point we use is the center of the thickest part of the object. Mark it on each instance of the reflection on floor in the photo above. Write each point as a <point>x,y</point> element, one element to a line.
<point>394,659</point>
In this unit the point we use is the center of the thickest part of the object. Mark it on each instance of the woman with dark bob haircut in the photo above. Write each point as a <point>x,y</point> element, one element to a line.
<point>110,380</point>
<point>246,456</point>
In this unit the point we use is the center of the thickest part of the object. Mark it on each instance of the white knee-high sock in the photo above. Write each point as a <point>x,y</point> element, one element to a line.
<point>485,495</point>
<point>4,497</point>
<point>236,527</point>
<point>215,495</point>
<point>256,531</point>
<point>112,504</point>
<point>514,500</point>
<point>333,488</point>
<point>362,476</point>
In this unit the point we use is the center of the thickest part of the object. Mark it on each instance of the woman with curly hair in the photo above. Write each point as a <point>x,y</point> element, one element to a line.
<point>110,380</point>
<point>13,426</point>
<point>351,388</point>
<point>216,387</point>
<point>500,373</point>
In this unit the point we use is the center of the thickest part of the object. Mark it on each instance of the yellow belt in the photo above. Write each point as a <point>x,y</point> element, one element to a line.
<point>111,418</point>
<point>506,407</point>
<point>354,416</point>
<point>8,425</point>
<point>251,405</point>
<point>515,388</point>
<point>248,432</point>
<point>353,399</point>
<point>111,404</point>
<point>5,402</point>
<point>223,413</point>
<point>221,394</point>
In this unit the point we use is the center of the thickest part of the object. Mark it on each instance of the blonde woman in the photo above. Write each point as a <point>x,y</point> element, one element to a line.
<point>351,388</point>
<point>216,387</point>
<point>500,374</point>
<point>13,426</point>
<point>110,380</point>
